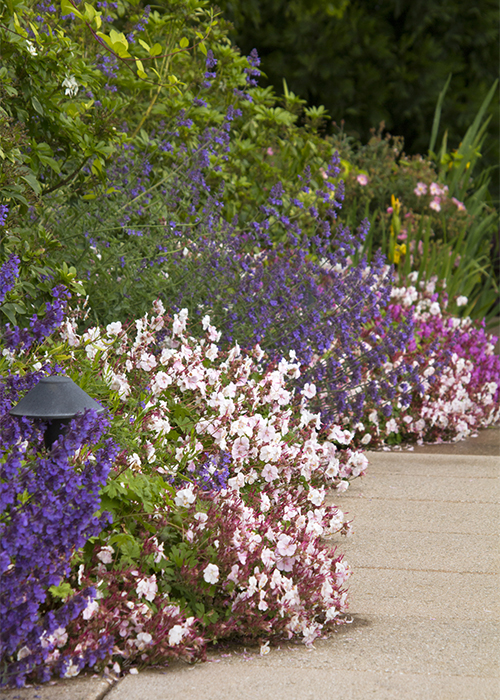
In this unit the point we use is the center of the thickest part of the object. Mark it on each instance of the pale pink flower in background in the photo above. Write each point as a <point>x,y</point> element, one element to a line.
<point>213,334</point>
<point>389,210</point>
<point>420,189</point>
<point>159,424</point>
<point>179,322</point>
<point>24,652</point>
<point>72,670</point>
<point>264,649</point>
<point>68,332</point>
<point>460,205</point>
<point>211,573</point>
<point>344,437</point>
<point>158,307</point>
<point>435,204</point>
<point>270,151</point>
<point>266,433</point>
<point>435,189</point>
<point>362,179</point>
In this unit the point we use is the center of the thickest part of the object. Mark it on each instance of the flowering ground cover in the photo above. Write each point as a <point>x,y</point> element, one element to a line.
<point>459,388</point>
<point>195,274</point>
<point>215,503</point>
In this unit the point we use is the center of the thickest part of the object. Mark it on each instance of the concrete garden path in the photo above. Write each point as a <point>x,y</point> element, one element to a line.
<point>425,553</point>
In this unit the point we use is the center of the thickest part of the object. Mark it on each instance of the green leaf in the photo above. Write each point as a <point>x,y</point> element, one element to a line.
<point>36,105</point>
<point>184,42</point>
<point>32,182</point>
<point>155,50</point>
<point>68,8</point>
<point>63,590</point>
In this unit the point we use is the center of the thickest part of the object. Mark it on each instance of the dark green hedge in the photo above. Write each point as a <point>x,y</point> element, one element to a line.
<point>369,61</point>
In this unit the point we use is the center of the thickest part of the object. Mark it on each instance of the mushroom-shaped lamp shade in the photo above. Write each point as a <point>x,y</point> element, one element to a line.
<point>55,399</point>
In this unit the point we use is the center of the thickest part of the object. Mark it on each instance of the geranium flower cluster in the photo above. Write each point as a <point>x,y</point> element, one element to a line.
<point>239,523</point>
<point>437,193</point>
<point>238,419</point>
<point>459,372</point>
<point>258,568</point>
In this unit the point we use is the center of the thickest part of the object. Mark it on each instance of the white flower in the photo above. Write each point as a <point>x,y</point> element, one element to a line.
<point>71,86</point>
<point>114,328</point>
<point>91,608</point>
<point>309,390</point>
<point>434,308</point>
<point>211,573</point>
<point>143,640</point>
<point>185,497</point>
<point>134,461</point>
<point>316,496</point>
<point>31,48</point>
<point>23,653</point>
<point>147,587</point>
<point>105,554</point>
<point>285,546</point>
<point>391,427</point>
<point>175,635</point>
<point>270,472</point>
<point>462,301</point>
<point>264,649</point>
<point>72,670</point>
<point>366,439</point>
<point>241,447</point>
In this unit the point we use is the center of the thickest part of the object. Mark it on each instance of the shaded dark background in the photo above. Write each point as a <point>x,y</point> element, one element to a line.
<point>368,62</point>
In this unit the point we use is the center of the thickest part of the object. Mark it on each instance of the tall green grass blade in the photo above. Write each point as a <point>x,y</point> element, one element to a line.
<point>437,114</point>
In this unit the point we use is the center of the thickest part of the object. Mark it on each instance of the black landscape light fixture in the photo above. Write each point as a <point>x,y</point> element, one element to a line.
<point>56,400</point>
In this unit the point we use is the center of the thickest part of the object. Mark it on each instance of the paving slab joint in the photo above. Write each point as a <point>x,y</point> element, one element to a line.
<point>104,687</point>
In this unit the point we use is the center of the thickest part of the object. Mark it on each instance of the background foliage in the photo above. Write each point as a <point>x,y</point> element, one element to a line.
<point>387,61</point>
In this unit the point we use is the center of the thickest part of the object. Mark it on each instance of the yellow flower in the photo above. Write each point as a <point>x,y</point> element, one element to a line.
<point>396,204</point>
<point>399,250</point>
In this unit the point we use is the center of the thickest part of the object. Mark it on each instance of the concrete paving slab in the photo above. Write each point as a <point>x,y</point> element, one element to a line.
<point>435,465</point>
<point>81,688</point>
<point>424,551</point>
<point>436,489</point>
<point>426,594</point>
<point>456,518</point>
<point>251,683</point>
